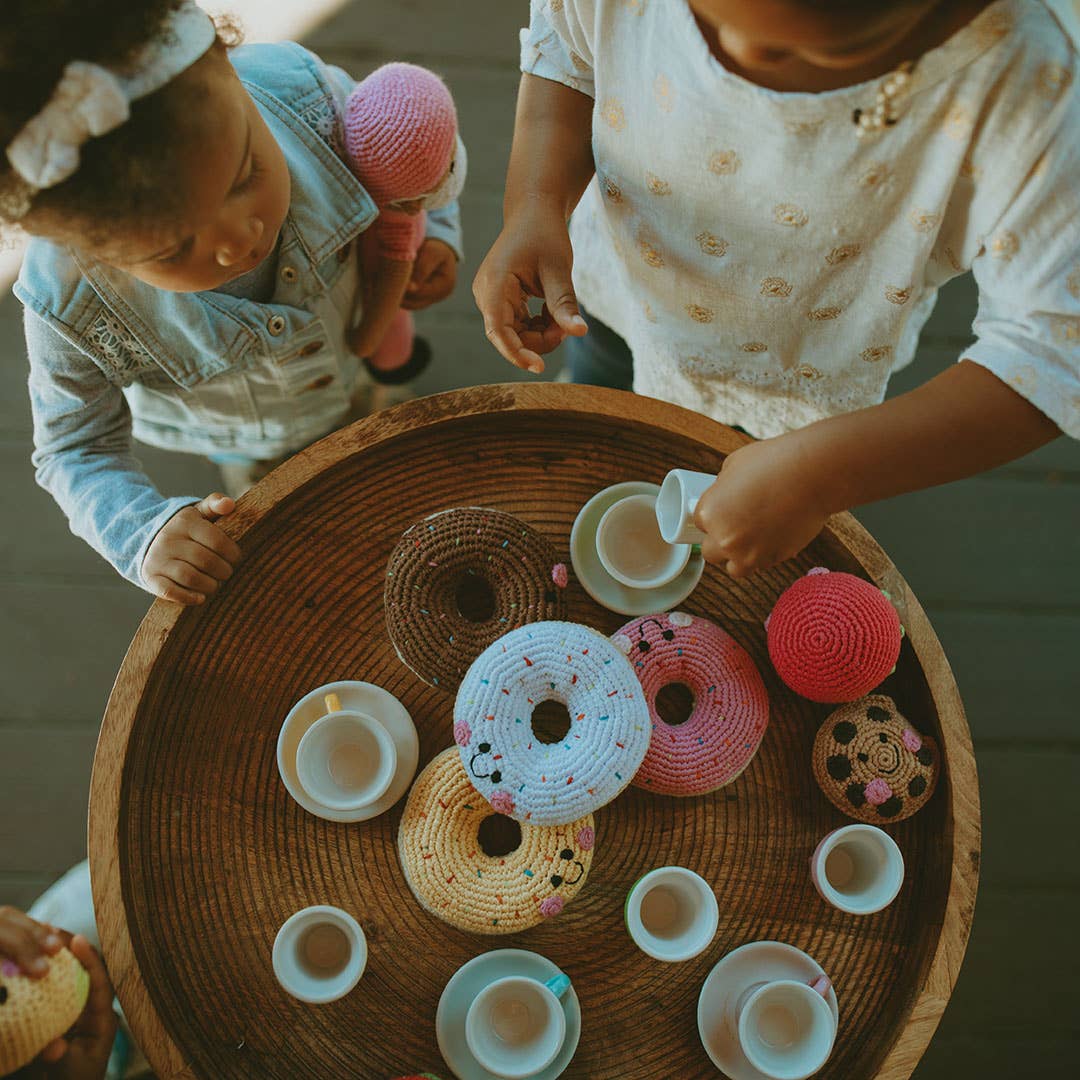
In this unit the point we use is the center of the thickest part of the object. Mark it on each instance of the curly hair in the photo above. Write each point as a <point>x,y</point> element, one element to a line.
<point>123,177</point>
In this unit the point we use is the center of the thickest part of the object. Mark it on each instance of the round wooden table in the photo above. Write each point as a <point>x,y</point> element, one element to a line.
<point>198,854</point>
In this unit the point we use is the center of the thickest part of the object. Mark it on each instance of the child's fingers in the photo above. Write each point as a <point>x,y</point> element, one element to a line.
<point>217,541</point>
<point>203,561</point>
<point>26,942</point>
<point>98,1018</point>
<point>501,332</point>
<point>560,300</point>
<point>164,586</point>
<point>187,576</point>
<point>215,506</point>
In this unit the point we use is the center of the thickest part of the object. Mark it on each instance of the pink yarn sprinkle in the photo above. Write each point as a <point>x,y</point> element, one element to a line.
<point>912,740</point>
<point>877,792</point>
<point>560,575</point>
<point>551,906</point>
<point>502,801</point>
<point>462,733</point>
<point>586,837</point>
<point>9,968</point>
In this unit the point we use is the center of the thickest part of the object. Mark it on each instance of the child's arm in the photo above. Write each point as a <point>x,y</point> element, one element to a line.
<point>82,457</point>
<point>385,283</point>
<point>550,167</point>
<point>84,1053</point>
<point>773,497</point>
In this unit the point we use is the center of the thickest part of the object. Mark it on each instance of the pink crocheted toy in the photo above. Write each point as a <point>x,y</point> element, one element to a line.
<point>833,637</point>
<point>402,144</point>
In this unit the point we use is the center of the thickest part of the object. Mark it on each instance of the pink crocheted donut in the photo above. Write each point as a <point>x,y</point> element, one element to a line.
<point>833,637</point>
<point>730,711</point>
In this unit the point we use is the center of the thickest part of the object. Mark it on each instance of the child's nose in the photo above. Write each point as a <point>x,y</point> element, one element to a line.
<point>237,243</point>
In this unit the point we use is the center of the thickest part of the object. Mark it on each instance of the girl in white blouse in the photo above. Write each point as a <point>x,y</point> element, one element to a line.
<point>766,198</point>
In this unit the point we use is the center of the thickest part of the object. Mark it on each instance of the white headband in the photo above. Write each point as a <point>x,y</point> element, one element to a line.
<point>90,100</point>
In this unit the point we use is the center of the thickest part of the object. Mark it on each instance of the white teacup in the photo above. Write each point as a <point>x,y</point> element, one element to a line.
<point>515,1027</point>
<point>319,954</point>
<point>786,1028</point>
<point>858,869</point>
<point>630,546</point>
<point>672,913</point>
<point>346,760</point>
<point>676,503</point>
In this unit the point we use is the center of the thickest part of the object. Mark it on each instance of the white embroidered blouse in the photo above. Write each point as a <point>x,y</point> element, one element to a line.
<point>768,266</point>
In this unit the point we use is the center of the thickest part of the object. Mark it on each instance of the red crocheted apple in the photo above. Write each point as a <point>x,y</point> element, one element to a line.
<point>833,637</point>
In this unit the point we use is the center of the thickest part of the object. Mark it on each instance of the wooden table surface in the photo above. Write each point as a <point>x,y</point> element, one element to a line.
<point>198,854</point>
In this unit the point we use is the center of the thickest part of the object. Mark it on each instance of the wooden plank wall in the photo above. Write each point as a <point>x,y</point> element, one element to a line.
<point>993,559</point>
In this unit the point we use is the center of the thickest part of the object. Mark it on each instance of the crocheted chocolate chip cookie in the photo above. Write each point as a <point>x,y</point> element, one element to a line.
<point>872,764</point>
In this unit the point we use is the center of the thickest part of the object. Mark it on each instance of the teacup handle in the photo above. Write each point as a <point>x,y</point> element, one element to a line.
<point>333,703</point>
<point>558,984</point>
<point>822,985</point>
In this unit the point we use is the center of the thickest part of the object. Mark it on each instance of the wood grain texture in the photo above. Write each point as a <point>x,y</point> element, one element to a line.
<point>198,854</point>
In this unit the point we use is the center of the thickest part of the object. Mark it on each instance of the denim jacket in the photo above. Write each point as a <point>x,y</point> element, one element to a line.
<point>208,373</point>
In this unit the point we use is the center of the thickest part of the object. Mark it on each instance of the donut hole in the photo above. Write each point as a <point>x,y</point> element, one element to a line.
<point>498,835</point>
<point>675,703</point>
<point>550,722</point>
<point>475,598</point>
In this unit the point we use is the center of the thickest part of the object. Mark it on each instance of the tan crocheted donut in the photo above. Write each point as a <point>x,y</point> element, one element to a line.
<point>438,557</point>
<point>872,764</point>
<point>440,845</point>
<point>33,1012</point>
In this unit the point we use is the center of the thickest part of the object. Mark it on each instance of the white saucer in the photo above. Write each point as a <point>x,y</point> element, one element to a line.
<point>599,584</point>
<point>362,697</point>
<point>757,962</point>
<point>468,981</point>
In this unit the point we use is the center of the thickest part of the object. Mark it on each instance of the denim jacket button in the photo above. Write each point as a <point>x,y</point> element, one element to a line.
<point>289,274</point>
<point>276,324</point>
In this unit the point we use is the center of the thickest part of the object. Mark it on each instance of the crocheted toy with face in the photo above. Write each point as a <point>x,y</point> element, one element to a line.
<point>833,637</point>
<point>402,144</point>
<point>33,1012</point>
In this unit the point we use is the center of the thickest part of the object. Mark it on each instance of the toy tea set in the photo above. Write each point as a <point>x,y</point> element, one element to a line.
<point>498,832</point>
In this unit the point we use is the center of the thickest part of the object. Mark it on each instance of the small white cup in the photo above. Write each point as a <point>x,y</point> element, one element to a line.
<point>672,913</point>
<point>515,1027</point>
<point>676,503</point>
<point>630,546</point>
<point>346,760</point>
<point>319,954</point>
<point>858,869</point>
<point>786,1028</point>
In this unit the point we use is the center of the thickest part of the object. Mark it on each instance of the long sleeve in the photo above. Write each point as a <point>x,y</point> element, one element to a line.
<point>83,455</point>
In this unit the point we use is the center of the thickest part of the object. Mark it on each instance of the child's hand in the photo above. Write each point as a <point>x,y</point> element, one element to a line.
<point>762,509</point>
<point>531,257</point>
<point>84,1052</point>
<point>434,275</point>
<point>190,556</point>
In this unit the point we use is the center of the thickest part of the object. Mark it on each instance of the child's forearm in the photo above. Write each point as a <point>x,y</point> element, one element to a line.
<point>383,296</point>
<point>962,422</point>
<point>551,157</point>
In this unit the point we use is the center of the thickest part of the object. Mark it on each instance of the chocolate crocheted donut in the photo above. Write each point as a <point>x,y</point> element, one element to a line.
<point>454,553</point>
<point>730,710</point>
<point>33,1012</point>
<point>872,764</point>
<point>551,783</point>
<point>833,636</point>
<point>444,831</point>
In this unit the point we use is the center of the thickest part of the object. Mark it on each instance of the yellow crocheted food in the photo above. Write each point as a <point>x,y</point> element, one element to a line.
<point>33,1012</point>
<point>531,873</point>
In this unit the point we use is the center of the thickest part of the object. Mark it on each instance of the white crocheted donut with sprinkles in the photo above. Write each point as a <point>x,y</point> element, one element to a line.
<point>551,783</point>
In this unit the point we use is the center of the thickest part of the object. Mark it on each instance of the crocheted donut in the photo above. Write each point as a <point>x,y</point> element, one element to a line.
<point>730,711</point>
<point>33,1012</point>
<point>444,831</point>
<point>456,550</point>
<point>551,783</point>
<point>833,637</point>
<point>872,764</point>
